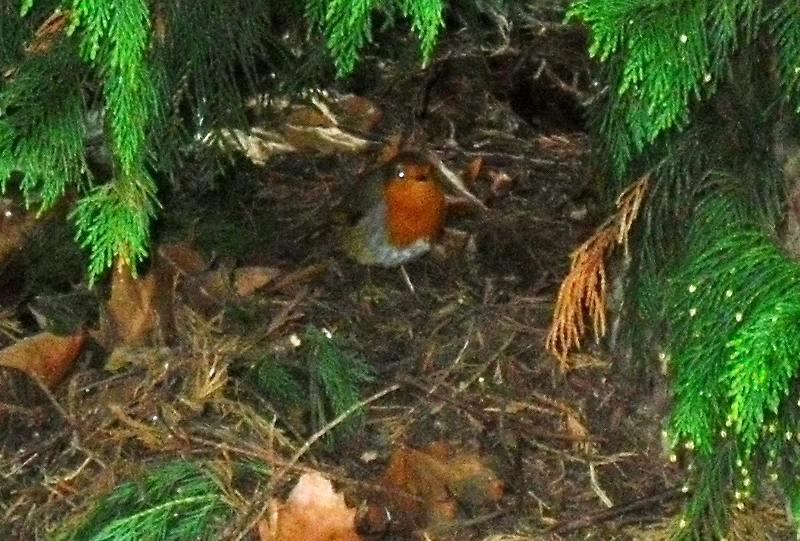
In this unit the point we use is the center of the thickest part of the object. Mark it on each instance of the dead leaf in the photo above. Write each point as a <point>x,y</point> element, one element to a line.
<point>358,113</point>
<point>501,183</point>
<point>248,280</point>
<point>183,258</point>
<point>313,511</point>
<point>45,356</point>
<point>299,277</point>
<point>470,173</point>
<point>390,150</point>
<point>432,485</point>
<point>139,310</point>
<point>131,306</point>
<point>577,430</point>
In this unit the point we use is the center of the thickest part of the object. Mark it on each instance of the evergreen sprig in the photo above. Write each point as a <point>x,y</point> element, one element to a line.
<point>785,22</point>
<point>426,21</point>
<point>347,25</point>
<point>334,374</point>
<point>115,37</point>
<point>43,125</point>
<point>662,58</point>
<point>734,356</point>
<point>181,501</point>
<point>114,221</point>
<point>339,374</point>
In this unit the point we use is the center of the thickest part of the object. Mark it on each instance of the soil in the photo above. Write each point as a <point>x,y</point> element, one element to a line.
<point>579,454</point>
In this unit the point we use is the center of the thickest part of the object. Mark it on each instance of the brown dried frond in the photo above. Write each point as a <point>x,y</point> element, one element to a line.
<point>46,34</point>
<point>584,290</point>
<point>628,204</point>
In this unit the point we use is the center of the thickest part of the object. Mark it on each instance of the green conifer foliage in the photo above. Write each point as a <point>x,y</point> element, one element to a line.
<point>695,94</point>
<point>136,77</point>
<point>347,25</point>
<point>178,501</point>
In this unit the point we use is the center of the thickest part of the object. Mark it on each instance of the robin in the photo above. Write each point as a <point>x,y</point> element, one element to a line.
<point>402,210</point>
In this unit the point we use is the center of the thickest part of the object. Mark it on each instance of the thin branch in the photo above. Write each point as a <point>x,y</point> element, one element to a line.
<point>593,519</point>
<point>306,446</point>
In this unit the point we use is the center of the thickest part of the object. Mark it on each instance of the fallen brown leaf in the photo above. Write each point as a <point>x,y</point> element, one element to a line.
<point>313,511</point>
<point>45,356</point>
<point>248,280</point>
<point>139,309</point>
<point>299,277</point>
<point>183,258</point>
<point>501,183</point>
<point>432,485</point>
<point>358,113</point>
<point>470,173</point>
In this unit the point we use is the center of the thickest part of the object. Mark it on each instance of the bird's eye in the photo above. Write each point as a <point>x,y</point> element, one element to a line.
<point>401,173</point>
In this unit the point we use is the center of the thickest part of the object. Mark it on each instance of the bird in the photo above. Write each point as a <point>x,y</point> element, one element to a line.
<point>400,209</point>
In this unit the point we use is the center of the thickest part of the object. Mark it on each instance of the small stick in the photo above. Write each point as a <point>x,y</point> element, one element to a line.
<point>618,511</point>
<point>455,182</point>
<point>443,395</point>
<point>407,280</point>
<point>307,445</point>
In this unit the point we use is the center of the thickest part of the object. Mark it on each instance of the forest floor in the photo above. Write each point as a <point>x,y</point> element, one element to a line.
<point>499,442</point>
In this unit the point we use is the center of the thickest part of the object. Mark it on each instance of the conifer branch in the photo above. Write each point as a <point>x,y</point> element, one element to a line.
<point>120,79</point>
<point>706,265</point>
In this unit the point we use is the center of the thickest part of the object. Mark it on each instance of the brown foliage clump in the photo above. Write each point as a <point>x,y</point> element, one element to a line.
<point>584,290</point>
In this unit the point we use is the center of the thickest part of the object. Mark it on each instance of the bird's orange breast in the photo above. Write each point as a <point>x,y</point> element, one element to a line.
<point>414,210</point>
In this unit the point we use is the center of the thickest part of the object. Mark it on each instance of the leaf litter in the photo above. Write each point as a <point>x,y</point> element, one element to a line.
<point>199,388</point>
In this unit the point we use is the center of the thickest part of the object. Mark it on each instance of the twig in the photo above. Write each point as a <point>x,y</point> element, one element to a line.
<point>284,315</point>
<point>597,488</point>
<point>592,519</point>
<point>306,446</point>
<point>330,426</point>
<point>447,396</point>
<point>456,182</point>
<point>52,399</point>
<point>467,523</point>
